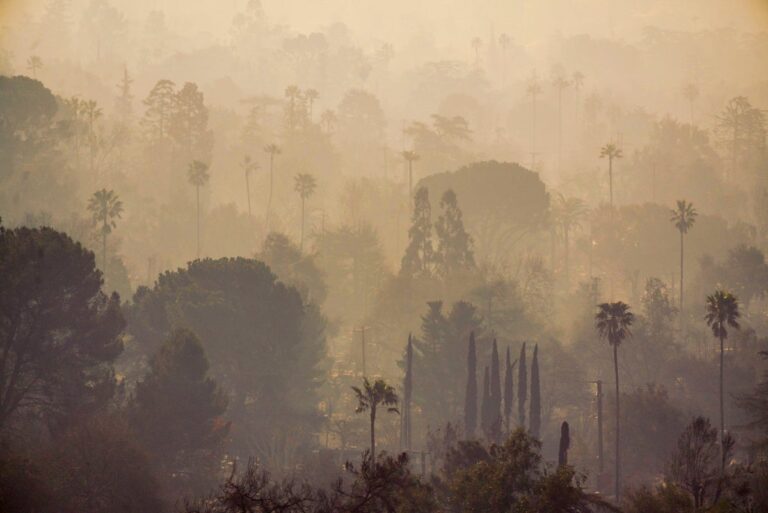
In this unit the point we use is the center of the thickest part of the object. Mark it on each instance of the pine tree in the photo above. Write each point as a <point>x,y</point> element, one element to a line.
<point>454,244</point>
<point>176,412</point>
<point>407,394</point>
<point>470,402</point>
<point>495,392</point>
<point>522,388</point>
<point>535,395</point>
<point>189,123</point>
<point>485,407</point>
<point>160,104</point>
<point>418,258</point>
<point>509,390</point>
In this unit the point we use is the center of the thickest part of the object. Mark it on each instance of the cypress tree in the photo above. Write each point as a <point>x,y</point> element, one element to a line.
<point>535,395</point>
<point>407,394</point>
<point>494,415</point>
<point>485,408</point>
<point>522,388</point>
<point>509,389</point>
<point>470,400</point>
<point>565,444</point>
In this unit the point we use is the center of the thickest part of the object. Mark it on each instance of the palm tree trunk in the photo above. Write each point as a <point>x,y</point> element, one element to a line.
<point>373,434</point>
<point>722,412</point>
<point>410,182</point>
<point>559,127</point>
<point>617,483</point>
<point>104,248</point>
<point>197,191</point>
<point>566,259</point>
<point>269,199</point>
<point>681,278</point>
<point>301,243</point>
<point>610,179</point>
<point>248,194</point>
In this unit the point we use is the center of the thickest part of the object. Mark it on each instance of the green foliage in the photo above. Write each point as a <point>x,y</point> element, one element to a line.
<point>176,412</point>
<point>239,310</point>
<point>59,334</point>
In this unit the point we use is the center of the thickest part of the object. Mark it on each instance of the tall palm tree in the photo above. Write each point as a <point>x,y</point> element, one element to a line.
<point>272,150</point>
<point>249,166</point>
<point>305,185</point>
<point>561,83</point>
<point>369,398</point>
<point>684,216</point>
<point>410,157</point>
<point>611,151</point>
<point>534,89</point>
<point>198,176</point>
<point>569,213</point>
<point>612,322</point>
<point>105,207</point>
<point>722,312</point>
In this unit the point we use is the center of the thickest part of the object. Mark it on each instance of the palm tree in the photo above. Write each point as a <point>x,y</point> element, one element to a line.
<point>569,213</point>
<point>249,166</point>
<point>272,149</point>
<point>198,176</point>
<point>534,89</point>
<point>722,312</point>
<point>612,322</point>
<point>611,151</point>
<point>410,157</point>
<point>369,398</point>
<point>560,83</point>
<point>504,42</point>
<point>683,217</point>
<point>105,207</point>
<point>305,185</point>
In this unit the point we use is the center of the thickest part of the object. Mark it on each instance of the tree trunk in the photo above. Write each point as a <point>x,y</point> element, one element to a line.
<point>104,248</point>
<point>681,278</point>
<point>197,190</point>
<point>610,179</point>
<point>373,434</point>
<point>410,183</point>
<point>722,411</point>
<point>269,199</point>
<point>301,243</point>
<point>567,257</point>
<point>617,483</point>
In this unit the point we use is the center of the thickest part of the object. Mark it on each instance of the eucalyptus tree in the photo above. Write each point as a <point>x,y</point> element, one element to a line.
<point>683,217</point>
<point>611,152</point>
<point>271,150</point>
<point>105,208</point>
<point>722,309</point>
<point>305,185</point>
<point>369,398</point>
<point>198,176</point>
<point>612,323</point>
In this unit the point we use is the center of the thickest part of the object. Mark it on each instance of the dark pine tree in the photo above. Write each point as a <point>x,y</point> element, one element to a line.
<point>407,394</point>
<point>485,407</point>
<point>470,401</point>
<point>454,244</point>
<point>495,393</point>
<point>535,420</point>
<point>522,388</point>
<point>509,391</point>
<point>419,255</point>
<point>565,444</point>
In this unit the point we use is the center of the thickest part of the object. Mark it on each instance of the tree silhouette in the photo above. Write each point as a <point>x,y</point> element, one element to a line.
<point>470,399</point>
<point>691,93</point>
<point>249,166</point>
<point>522,388</point>
<point>198,177</point>
<point>369,398</point>
<point>722,312</point>
<point>34,63</point>
<point>328,120</point>
<point>610,151</point>
<point>683,216</point>
<point>407,394</point>
<point>612,322</point>
<point>272,150</point>
<point>410,157</point>
<point>477,43</point>
<point>305,185</point>
<point>509,390</point>
<point>105,207</point>
<point>535,420</point>
<point>568,215</point>
<point>311,95</point>
<point>560,83</point>
<point>534,89</point>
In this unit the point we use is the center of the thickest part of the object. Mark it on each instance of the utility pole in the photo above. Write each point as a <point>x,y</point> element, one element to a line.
<point>362,330</point>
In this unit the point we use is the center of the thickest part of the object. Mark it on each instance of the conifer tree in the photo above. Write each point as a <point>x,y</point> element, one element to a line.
<point>495,392</point>
<point>565,444</point>
<point>535,420</point>
<point>522,388</point>
<point>470,401</point>
<point>160,105</point>
<point>407,394</point>
<point>509,390</point>
<point>419,255</point>
<point>485,407</point>
<point>454,244</point>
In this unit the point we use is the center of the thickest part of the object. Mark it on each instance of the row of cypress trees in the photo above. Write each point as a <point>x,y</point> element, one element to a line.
<point>496,403</point>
